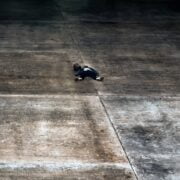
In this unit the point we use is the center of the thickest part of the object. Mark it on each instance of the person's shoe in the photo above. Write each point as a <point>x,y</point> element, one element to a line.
<point>100,78</point>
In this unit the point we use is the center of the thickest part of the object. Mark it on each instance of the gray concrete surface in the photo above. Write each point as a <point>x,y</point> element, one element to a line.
<point>149,130</point>
<point>123,128</point>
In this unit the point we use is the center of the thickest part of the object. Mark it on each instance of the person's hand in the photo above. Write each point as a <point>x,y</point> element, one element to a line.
<point>78,79</point>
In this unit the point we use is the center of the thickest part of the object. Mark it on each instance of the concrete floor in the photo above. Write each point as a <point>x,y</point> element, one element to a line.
<point>126,127</point>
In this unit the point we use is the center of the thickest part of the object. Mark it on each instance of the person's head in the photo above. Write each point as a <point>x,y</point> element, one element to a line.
<point>76,67</point>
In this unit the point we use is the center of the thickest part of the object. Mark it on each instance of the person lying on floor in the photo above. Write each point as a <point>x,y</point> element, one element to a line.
<point>82,72</point>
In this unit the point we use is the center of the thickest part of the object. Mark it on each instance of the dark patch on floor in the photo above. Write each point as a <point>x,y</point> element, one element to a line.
<point>154,169</point>
<point>147,134</point>
<point>29,10</point>
<point>152,138</point>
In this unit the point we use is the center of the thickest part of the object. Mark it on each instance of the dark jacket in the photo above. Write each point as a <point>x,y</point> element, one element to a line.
<point>87,72</point>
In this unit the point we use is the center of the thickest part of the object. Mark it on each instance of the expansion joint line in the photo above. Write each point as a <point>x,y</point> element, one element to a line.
<point>82,59</point>
<point>77,44</point>
<point>107,114</point>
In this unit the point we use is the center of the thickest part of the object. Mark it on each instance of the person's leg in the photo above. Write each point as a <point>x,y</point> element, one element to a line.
<point>95,75</point>
<point>99,78</point>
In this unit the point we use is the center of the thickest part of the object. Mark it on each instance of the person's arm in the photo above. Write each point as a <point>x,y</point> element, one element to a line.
<point>78,75</point>
<point>78,78</point>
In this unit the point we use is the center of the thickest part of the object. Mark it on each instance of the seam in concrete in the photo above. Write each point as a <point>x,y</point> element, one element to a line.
<point>46,95</point>
<point>59,166</point>
<point>177,98</point>
<point>155,97</point>
<point>76,21</point>
<point>32,51</point>
<point>77,45</point>
<point>107,114</point>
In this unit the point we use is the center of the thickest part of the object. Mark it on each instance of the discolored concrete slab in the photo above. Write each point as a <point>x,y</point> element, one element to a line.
<point>150,132</point>
<point>59,136</point>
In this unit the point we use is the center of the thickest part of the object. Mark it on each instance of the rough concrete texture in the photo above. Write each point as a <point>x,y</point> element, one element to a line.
<point>123,128</point>
<point>149,127</point>
<point>57,133</point>
<point>34,121</point>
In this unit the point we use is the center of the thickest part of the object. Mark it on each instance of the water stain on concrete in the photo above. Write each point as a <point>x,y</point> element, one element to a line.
<point>147,134</point>
<point>158,169</point>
